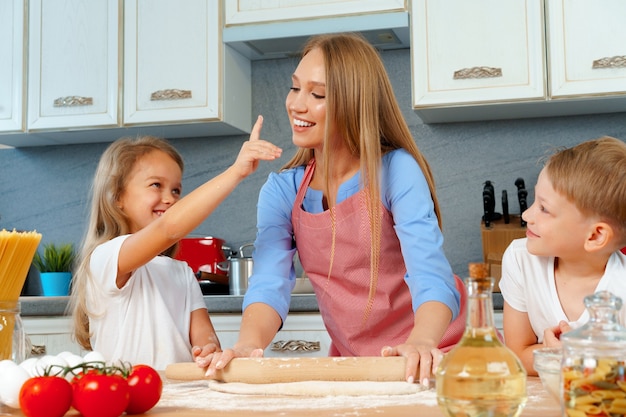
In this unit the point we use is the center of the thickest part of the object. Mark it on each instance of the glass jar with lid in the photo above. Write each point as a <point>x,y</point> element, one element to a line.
<point>593,379</point>
<point>13,340</point>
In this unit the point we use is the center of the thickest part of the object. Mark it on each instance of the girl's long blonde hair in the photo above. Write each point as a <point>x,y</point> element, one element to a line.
<point>106,219</point>
<point>362,109</point>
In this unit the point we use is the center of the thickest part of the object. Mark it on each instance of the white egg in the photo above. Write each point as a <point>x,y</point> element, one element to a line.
<point>93,356</point>
<point>65,354</point>
<point>6,364</point>
<point>11,380</point>
<point>74,360</point>
<point>50,364</point>
<point>73,363</point>
<point>29,365</point>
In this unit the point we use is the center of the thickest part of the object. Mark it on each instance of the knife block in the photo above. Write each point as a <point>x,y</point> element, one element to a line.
<point>496,238</point>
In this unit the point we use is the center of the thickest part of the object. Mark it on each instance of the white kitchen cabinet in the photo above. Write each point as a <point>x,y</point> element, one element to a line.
<point>479,52</point>
<point>255,11</point>
<point>587,48</point>
<point>73,64</point>
<point>303,334</point>
<point>51,335</point>
<point>487,59</point>
<point>12,47</point>
<point>273,29</point>
<point>177,70</point>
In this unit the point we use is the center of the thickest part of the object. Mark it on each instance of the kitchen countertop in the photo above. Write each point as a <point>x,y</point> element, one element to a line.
<point>191,399</point>
<point>56,306</point>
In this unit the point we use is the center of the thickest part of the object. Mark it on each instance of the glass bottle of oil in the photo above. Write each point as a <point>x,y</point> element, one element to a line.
<point>480,376</point>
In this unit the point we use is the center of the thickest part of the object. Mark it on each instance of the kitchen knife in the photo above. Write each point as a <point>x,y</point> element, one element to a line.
<point>521,197</point>
<point>505,207</point>
<point>273,370</point>
<point>489,203</point>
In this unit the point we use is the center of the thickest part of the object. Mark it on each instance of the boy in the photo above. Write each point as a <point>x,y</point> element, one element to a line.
<point>575,229</point>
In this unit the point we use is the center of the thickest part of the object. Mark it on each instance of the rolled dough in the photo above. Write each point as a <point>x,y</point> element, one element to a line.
<point>318,388</point>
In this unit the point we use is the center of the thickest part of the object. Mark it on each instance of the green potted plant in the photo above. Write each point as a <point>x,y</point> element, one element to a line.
<point>55,268</point>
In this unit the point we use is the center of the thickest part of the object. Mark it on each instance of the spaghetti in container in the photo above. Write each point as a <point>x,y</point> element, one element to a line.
<point>593,379</point>
<point>17,250</point>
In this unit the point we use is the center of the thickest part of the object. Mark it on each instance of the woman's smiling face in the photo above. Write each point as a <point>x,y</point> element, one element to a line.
<point>306,101</point>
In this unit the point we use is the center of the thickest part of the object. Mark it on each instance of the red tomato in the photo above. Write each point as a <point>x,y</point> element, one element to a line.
<point>145,386</point>
<point>45,396</point>
<point>99,395</point>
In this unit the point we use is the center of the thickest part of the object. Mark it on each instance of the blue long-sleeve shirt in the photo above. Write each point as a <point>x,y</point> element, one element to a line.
<point>404,192</point>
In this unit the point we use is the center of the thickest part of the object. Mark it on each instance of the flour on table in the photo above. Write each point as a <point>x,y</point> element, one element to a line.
<point>198,395</point>
<point>318,388</point>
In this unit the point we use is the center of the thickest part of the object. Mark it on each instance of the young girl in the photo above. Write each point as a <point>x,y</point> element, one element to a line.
<point>131,301</point>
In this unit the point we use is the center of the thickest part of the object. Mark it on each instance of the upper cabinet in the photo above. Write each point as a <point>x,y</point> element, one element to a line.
<point>73,64</point>
<point>101,70</point>
<point>488,59</point>
<point>12,47</point>
<point>587,47</point>
<point>172,52</point>
<point>273,29</point>
<point>254,11</point>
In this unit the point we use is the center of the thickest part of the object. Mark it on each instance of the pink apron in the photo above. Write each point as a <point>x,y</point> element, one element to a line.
<point>343,297</point>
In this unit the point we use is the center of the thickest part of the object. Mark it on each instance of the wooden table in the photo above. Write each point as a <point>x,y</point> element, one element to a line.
<point>176,395</point>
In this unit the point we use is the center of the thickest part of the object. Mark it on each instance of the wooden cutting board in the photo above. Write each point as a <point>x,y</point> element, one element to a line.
<point>274,370</point>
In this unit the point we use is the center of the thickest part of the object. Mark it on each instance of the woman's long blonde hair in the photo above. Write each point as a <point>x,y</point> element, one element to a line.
<point>361,108</point>
<point>106,219</point>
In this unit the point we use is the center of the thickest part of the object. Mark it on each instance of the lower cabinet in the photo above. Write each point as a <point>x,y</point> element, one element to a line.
<point>51,335</point>
<point>303,334</point>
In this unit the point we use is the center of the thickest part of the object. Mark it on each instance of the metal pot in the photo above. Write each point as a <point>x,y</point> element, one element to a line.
<point>240,269</point>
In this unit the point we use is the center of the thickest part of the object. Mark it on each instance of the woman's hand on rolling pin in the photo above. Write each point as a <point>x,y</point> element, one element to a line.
<point>221,359</point>
<point>254,150</point>
<point>418,357</point>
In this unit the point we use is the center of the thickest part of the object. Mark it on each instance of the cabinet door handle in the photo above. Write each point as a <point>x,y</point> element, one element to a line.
<point>295,346</point>
<point>617,61</point>
<point>73,101</point>
<point>477,72</point>
<point>38,350</point>
<point>170,94</point>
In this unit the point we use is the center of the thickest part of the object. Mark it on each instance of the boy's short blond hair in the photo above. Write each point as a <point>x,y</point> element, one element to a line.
<point>592,175</point>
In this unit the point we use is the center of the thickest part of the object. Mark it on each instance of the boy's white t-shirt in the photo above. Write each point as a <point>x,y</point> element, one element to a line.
<point>148,320</point>
<point>528,285</point>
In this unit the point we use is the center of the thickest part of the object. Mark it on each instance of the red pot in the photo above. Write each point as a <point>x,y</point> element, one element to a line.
<point>205,254</point>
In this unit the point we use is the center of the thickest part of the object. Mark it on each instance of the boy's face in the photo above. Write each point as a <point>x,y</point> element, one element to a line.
<point>555,226</point>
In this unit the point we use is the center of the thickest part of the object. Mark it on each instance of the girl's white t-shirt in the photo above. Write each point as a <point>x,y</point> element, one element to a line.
<point>528,286</point>
<point>148,320</point>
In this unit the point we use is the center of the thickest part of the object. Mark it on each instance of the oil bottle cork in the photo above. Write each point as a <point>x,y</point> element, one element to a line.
<point>478,270</point>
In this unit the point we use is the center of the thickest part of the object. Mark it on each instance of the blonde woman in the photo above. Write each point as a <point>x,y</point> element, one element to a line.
<point>131,301</point>
<point>358,204</point>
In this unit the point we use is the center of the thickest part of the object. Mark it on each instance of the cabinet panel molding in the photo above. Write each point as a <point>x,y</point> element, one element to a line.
<point>587,48</point>
<point>73,64</point>
<point>239,12</point>
<point>12,50</point>
<point>484,51</point>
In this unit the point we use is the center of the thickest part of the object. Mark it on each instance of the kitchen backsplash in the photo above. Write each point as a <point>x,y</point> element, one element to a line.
<point>46,188</point>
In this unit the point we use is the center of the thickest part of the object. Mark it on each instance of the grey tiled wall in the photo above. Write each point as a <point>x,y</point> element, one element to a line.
<point>46,188</point>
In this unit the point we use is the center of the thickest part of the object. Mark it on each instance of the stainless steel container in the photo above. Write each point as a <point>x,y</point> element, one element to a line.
<point>240,269</point>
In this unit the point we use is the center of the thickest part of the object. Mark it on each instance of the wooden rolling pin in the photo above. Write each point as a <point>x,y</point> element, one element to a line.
<point>273,370</point>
